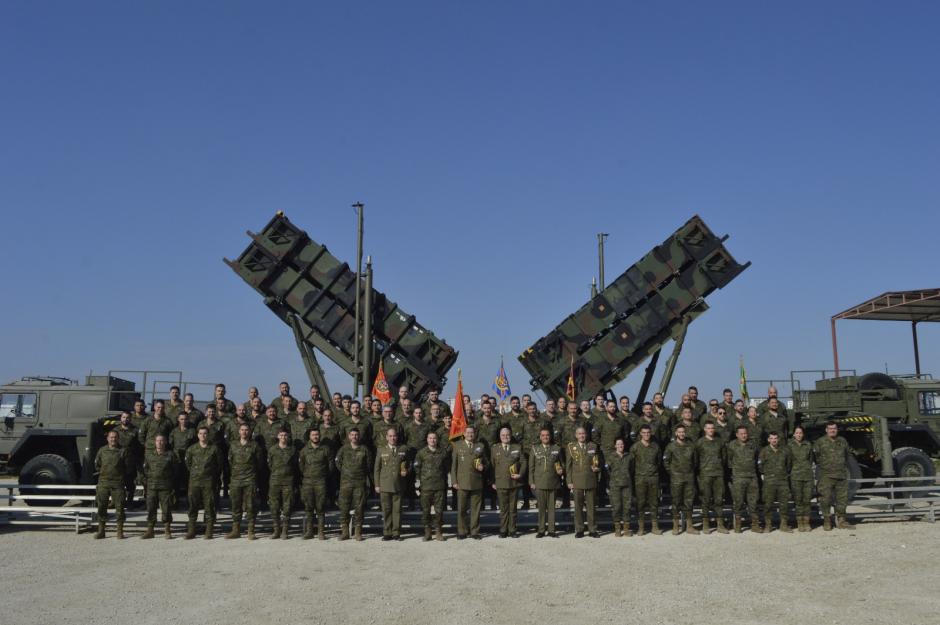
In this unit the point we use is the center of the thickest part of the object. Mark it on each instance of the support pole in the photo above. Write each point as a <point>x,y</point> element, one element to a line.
<point>647,378</point>
<point>357,371</point>
<point>835,348</point>
<point>593,288</point>
<point>673,358</point>
<point>600,260</point>
<point>916,349</point>
<point>309,358</point>
<point>367,331</point>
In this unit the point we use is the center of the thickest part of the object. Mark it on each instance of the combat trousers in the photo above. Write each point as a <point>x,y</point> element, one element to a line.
<point>130,484</point>
<point>802,496</point>
<point>776,491</point>
<point>313,496</point>
<point>351,496</point>
<point>681,493</point>
<point>712,493</point>
<point>507,510</point>
<point>469,504</point>
<point>827,485</point>
<point>281,500</point>
<point>243,500</point>
<point>163,497</point>
<point>744,492</point>
<point>200,496</point>
<point>545,499</point>
<point>647,495</point>
<point>391,513</point>
<point>584,499</point>
<point>113,492</point>
<point>435,498</point>
<point>620,504</point>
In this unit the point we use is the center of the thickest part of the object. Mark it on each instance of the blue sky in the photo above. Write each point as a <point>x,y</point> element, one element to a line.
<point>490,142</point>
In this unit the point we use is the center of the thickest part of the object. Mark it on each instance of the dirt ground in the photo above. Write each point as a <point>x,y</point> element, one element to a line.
<point>877,573</point>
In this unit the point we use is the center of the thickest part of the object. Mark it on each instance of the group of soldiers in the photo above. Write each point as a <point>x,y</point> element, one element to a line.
<point>338,451</point>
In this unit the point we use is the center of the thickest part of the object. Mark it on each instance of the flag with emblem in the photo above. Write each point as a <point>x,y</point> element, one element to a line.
<point>380,388</point>
<point>744,394</point>
<point>501,383</point>
<point>458,422</point>
<point>572,391</point>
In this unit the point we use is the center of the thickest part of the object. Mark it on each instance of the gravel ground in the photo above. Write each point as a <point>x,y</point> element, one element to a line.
<point>877,573</point>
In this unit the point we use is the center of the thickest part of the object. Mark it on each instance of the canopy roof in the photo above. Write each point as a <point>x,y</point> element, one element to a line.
<point>913,306</point>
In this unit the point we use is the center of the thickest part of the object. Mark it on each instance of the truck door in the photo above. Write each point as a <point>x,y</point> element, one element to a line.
<point>928,408</point>
<point>17,414</point>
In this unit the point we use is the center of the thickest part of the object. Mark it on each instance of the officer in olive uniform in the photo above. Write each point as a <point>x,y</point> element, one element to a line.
<point>160,467</point>
<point>645,457</point>
<point>111,467</point>
<point>712,459</point>
<point>832,456</point>
<point>391,469</point>
<point>354,464</point>
<point>467,467</point>
<point>282,465</point>
<point>431,465</point>
<point>244,457</point>
<point>679,460</point>
<point>801,477</point>
<point>618,468</point>
<point>742,458</point>
<point>204,463</point>
<point>509,467</point>
<point>774,462</point>
<point>545,471</point>
<point>316,465</point>
<point>582,466</point>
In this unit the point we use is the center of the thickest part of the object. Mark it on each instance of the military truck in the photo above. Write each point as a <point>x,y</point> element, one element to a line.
<point>53,426</point>
<point>891,422</point>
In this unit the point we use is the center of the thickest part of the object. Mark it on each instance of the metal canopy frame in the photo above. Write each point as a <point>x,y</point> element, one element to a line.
<point>913,306</point>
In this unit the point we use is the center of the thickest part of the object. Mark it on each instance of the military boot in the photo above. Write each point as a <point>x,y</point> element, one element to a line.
<point>190,530</point>
<point>785,525</point>
<point>720,525</point>
<point>626,529</point>
<point>321,530</point>
<point>807,527</point>
<point>690,526</point>
<point>654,526</point>
<point>768,524</point>
<point>755,524</point>
<point>100,533</point>
<point>843,524</point>
<point>166,531</point>
<point>149,532</point>
<point>308,527</point>
<point>277,529</point>
<point>210,530</point>
<point>344,532</point>
<point>427,534</point>
<point>284,528</point>
<point>827,523</point>
<point>358,533</point>
<point>236,530</point>
<point>439,534</point>
<point>640,526</point>
<point>120,530</point>
<point>675,526</point>
<point>737,524</point>
<point>251,530</point>
<point>617,531</point>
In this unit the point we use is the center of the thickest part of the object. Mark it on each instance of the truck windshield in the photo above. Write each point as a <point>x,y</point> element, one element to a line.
<point>17,406</point>
<point>929,402</point>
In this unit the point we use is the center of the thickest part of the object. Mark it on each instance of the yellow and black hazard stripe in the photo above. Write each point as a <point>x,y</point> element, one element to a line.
<point>855,420</point>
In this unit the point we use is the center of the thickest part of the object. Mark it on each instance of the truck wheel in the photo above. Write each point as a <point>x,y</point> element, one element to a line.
<point>876,381</point>
<point>47,469</point>
<point>913,462</point>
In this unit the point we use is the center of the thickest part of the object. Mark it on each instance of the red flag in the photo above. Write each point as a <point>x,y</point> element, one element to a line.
<point>380,388</point>
<point>458,423</point>
<point>571,391</point>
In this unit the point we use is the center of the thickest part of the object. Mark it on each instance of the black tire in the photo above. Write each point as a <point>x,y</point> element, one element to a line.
<point>913,462</point>
<point>47,469</point>
<point>876,381</point>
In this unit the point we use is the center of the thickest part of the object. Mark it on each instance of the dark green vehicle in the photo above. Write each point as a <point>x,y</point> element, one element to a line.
<point>892,422</point>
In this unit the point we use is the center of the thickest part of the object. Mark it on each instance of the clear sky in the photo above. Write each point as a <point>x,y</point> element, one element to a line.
<point>490,141</point>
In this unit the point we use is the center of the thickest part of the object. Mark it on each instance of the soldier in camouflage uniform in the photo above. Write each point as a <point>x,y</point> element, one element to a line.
<point>316,467</point>
<point>645,457</point>
<point>391,469</point>
<point>228,406</point>
<point>181,438</point>
<point>801,477</point>
<point>468,465</point>
<point>433,400</point>
<point>754,426</point>
<point>582,465</point>
<point>244,457</point>
<point>618,468</point>
<point>665,415</point>
<point>129,441</point>
<point>300,425</point>
<point>139,415</point>
<point>832,454</point>
<point>742,458</point>
<point>680,460</point>
<point>265,433</point>
<point>414,436</point>
<point>160,466</point>
<point>509,466</point>
<point>774,461</point>
<point>545,472</point>
<point>354,464</point>
<point>711,456</point>
<point>156,424</point>
<point>698,406</point>
<point>217,429</point>
<point>284,403</point>
<point>174,405</point>
<point>193,414</point>
<point>693,430</point>
<point>282,465</point>
<point>204,462</point>
<point>110,465</point>
<point>252,394</point>
<point>772,420</point>
<point>431,466</point>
